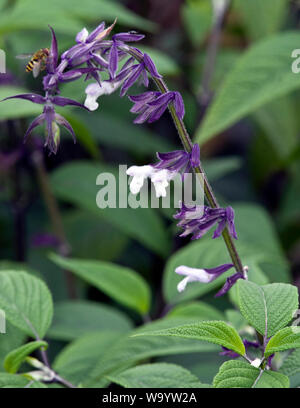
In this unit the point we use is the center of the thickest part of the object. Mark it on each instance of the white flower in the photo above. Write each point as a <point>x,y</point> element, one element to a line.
<point>139,174</point>
<point>192,275</point>
<point>160,179</point>
<point>256,363</point>
<point>82,35</point>
<point>93,91</point>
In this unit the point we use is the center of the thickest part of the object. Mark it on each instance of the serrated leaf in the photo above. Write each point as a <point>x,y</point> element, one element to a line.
<point>130,350</point>
<point>122,284</point>
<point>239,374</point>
<point>142,224</point>
<point>267,308</point>
<point>291,364</point>
<point>157,375</point>
<point>16,357</point>
<point>73,319</point>
<point>26,301</point>
<point>284,339</point>
<point>212,331</point>
<point>262,74</point>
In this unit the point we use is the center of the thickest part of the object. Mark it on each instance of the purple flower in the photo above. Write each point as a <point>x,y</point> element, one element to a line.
<point>86,45</point>
<point>229,283</point>
<point>199,275</point>
<point>49,117</point>
<point>138,70</point>
<point>151,105</point>
<point>207,276</point>
<point>179,160</point>
<point>56,73</point>
<point>198,220</point>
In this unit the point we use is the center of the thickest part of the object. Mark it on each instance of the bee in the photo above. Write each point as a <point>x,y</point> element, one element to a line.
<point>37,62</point>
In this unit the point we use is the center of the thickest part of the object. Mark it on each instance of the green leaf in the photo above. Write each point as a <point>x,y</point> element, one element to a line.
<point>129,350</point>
<point>197,17</point>
<point>267,308</point>
<point>220,167</point>
<point>239,374</point>
<point>284,339</point>
<point>157,375</point>
<point>262,18</point>
<point>16,108</point>
<point>261,75</point>
<point>108,10</point>
<point>18,381</point>
<point>77,360</point>
<point>142,224</point>
<point>9,341</point>
<point>276,119</point>
<point>67,17</point>
<point>122,284</point>
<point>26,301</point>
<point>127,136</point>
<point>291,364</point>
<point>212,331</point>
<point>197,310</point>
<point>16,357</point>
<point>87,235</point>
<point>73,319</point>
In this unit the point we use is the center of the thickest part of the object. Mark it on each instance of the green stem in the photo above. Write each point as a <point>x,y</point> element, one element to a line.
<point>188,145</point>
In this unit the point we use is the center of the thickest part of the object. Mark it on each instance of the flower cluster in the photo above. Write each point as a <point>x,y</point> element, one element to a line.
<point>198,220</point>
<point>161,173</point>
<point>92,55</point>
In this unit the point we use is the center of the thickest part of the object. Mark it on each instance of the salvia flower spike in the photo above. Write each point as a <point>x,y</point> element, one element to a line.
<point>197,220</point>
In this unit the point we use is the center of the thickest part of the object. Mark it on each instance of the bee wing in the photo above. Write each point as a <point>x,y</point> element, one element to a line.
<point>24,56</point>
<point>36,68</point>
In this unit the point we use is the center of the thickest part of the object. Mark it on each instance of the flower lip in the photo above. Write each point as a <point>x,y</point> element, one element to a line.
<point>205,275</point>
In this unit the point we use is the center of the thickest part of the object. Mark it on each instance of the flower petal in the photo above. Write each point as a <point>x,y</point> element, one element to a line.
<point>113,60</point>
<point>151,66</point>
<point>61,101</point>
<point>82,36</point>
<point>128,37</point>
<point>29,97</point>
<point>36,122</point>
<point>63,122</point>
<point>53,54</point>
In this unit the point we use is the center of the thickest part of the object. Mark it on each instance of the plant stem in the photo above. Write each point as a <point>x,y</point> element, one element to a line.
<point>188,145</point>
<point>55,216</point>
